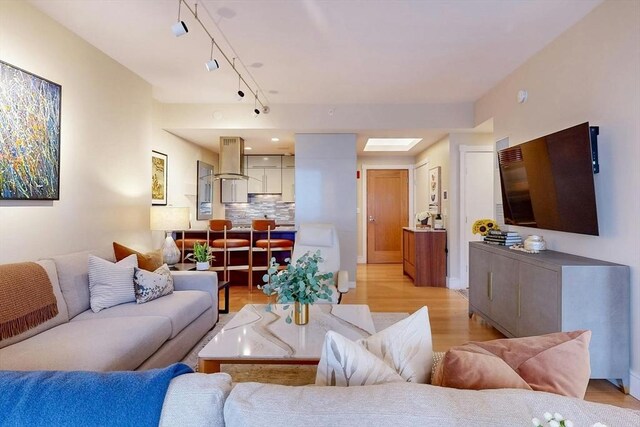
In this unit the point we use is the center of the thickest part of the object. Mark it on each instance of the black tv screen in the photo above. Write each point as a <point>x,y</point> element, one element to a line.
<point>548,182</point>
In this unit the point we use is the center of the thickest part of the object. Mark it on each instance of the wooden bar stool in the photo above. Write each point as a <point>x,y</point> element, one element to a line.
<point>268,245</point>
<point>227,245</point>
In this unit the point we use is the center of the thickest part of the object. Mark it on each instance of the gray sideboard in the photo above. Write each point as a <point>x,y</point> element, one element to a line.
<point>523,294</point>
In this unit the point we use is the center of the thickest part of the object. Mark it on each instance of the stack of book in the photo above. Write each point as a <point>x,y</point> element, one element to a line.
<point>504,238</point>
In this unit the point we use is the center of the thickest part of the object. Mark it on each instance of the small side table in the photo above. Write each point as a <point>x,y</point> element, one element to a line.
<point>222,284</point>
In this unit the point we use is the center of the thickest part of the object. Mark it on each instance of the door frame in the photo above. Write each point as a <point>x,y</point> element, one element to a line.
<point>464,149</point>
<point>363,214</point>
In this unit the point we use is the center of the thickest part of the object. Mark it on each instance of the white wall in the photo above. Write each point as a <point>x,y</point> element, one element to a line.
<point>326,188</point>
<point>589,73</point>
<point>105,144</point>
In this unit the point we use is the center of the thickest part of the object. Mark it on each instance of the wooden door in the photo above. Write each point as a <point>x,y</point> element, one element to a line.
<point>387,213</point>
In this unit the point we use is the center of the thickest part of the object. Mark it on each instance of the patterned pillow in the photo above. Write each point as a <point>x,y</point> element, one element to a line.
<point>151,285</point>
<point>402,352</point>
<point>110,284</point>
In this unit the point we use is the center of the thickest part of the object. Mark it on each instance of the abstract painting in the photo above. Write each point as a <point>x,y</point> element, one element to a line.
<point>434,190</point>
<point>29,136</point>
<point>159,168</point>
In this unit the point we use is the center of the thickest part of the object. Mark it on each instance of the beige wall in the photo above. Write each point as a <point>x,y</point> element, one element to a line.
<point>368,161</point>
<point>105,144</point>
<point>182,174</point>
<point>589,73</point>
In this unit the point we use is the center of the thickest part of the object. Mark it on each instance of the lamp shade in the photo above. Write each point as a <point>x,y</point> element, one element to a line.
<point>169,218</point>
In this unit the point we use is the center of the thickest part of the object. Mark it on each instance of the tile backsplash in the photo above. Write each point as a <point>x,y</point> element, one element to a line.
<point>259,206</point>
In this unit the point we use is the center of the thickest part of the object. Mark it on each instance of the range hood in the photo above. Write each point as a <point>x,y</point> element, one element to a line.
<point>231,158</point>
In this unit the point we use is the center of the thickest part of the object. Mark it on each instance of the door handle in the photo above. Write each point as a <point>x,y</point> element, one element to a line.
<point>490,286</point>
<point>371,218</point>
<point>519,300</point>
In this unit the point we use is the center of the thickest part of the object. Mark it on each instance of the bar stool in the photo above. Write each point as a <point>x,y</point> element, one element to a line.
<point>268,245</point>
<point>228,245</point>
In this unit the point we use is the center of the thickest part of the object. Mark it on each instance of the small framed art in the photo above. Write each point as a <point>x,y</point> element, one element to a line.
<point>159,173</point>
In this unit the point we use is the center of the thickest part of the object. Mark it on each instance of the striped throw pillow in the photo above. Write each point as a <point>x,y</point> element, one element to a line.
<point>111,284</point>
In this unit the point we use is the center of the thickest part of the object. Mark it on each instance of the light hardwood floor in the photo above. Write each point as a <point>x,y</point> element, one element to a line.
<point>384,288</point>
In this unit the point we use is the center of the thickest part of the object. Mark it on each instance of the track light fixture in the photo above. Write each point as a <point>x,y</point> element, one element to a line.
<point>179,28</point>
<point>212,64</point>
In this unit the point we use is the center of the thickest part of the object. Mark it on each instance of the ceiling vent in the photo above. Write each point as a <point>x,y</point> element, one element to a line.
<point>231,158</point>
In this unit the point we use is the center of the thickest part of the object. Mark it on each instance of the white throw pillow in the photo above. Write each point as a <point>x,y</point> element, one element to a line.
<point>111,284</point>
<point>151,285</point>
<point>404,348</point>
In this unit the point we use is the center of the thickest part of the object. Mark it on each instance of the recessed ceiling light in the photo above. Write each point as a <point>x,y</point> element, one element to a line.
<point>248,148</point>
<point>391,144</point>
<point>275,139</point>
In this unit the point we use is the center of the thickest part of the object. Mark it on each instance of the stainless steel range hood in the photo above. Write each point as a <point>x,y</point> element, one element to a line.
<point>231,158</point>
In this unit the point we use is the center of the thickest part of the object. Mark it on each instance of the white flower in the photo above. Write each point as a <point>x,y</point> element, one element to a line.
<point>547,416</point>
<point>554,423</point>
<point>558,417</point>
<point>599,425</point>
<point>536,422</point>
<point>568,423</point>
<point>421,216</point>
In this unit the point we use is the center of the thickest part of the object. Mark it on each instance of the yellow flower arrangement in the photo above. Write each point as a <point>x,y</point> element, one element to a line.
<point>482,226</point>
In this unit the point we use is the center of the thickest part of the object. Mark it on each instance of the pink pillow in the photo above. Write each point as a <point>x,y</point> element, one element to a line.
<point>555,363</point>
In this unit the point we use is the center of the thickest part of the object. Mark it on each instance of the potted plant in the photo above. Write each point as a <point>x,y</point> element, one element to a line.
<point>202,254</point>
<point>299,283</point>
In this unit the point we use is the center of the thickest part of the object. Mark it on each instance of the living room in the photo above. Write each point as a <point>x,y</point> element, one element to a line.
<point>582,65</point>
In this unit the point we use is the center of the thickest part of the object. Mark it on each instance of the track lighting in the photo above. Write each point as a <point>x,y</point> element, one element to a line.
<point>179,28</point>
<point>212,64</point>
<point>240,92</point>
<point>256,112</point>
<point>240,96</point>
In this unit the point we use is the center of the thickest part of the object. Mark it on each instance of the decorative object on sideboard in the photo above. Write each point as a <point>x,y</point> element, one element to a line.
<point>202,255</point>
<point>482,226</point>
<point>30,149</point>
<point>423,218</point>
<point>503,238</point>
<point>159,173</point>
<point>300,284</point>
<point>169,219</point>
<point>438,222</point>
<point>535,243</point>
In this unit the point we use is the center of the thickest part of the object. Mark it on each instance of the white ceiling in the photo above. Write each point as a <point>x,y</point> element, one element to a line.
<point>322,51</point>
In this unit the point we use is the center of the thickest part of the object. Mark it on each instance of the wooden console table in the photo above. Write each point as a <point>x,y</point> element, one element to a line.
<point>424,256</point>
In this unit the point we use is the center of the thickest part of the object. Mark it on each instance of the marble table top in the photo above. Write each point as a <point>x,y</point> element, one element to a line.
<point>255,333</point>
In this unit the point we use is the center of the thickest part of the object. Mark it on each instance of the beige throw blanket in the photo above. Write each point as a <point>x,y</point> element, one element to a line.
<point>26,298</point>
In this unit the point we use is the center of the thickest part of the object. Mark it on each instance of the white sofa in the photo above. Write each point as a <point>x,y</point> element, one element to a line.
<point>210,400</point>
<point>125,337</point>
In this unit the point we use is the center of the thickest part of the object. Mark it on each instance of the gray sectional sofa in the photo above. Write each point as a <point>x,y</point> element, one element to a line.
<point>125,337</point>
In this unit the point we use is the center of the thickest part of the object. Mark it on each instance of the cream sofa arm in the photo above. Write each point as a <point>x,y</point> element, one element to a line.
<point>343,282</point>
<point>206,281</point>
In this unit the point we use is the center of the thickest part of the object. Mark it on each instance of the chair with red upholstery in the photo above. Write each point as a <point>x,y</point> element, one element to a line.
<point>227,245</point>
<point>269,244</point>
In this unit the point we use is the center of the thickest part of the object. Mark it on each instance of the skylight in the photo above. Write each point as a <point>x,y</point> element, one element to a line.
<point>391,144</point>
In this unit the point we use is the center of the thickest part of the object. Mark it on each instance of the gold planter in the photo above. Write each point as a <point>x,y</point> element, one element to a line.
<point>301,313</point>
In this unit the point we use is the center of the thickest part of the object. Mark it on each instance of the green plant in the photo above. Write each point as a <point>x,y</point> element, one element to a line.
<point>300,282</point>
<point>201,253</point>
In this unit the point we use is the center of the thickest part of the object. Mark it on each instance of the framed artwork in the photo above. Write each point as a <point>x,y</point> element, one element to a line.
<point>30,135</point>
<point>434,190</point>
<point>204,198</point>
<point>159,169</point>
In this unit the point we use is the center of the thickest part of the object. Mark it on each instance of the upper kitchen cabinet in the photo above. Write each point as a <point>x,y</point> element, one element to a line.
<point>233,191</point>
<point>265,174</point>
<point>288,179</point>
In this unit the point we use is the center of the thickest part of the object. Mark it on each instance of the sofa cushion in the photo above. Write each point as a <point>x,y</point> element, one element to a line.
<point>180,308</point>
<point>73,275</point>
<point>407,404</point>
<point>111,284</point>
<point>555,363</point>
<point>89,345</point>
<point>61,317</point>
<point>196,400</point>
<point>150,285</point>
<point>150,261</point>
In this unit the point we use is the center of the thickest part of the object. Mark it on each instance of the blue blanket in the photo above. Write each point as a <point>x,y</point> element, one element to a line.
<point>53,398</point>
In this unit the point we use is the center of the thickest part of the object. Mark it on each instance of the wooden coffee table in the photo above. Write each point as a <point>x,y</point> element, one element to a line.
<point>255,335</point>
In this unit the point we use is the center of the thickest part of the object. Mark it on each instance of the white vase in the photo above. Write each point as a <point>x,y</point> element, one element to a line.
<point>202,266</point>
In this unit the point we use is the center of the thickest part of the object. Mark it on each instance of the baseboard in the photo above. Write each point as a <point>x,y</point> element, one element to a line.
<point>454,283</point>
<point>634,384</point>
<point>362,259</point>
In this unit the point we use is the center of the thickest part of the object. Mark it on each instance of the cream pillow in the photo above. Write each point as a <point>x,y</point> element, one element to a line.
<point>151,285</point>
<point>111,284</point>
<point>402,352</point>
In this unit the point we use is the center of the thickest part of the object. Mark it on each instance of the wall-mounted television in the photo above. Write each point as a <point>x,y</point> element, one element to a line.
<point>548,182</point>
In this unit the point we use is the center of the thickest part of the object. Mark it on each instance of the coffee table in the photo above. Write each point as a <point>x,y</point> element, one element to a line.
<point>255,335</point>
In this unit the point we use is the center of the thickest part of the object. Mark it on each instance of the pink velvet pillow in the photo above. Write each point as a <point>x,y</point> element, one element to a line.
<point>555,363</point>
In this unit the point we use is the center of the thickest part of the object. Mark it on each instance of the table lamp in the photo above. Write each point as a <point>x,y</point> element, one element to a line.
<point>169,219</point>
